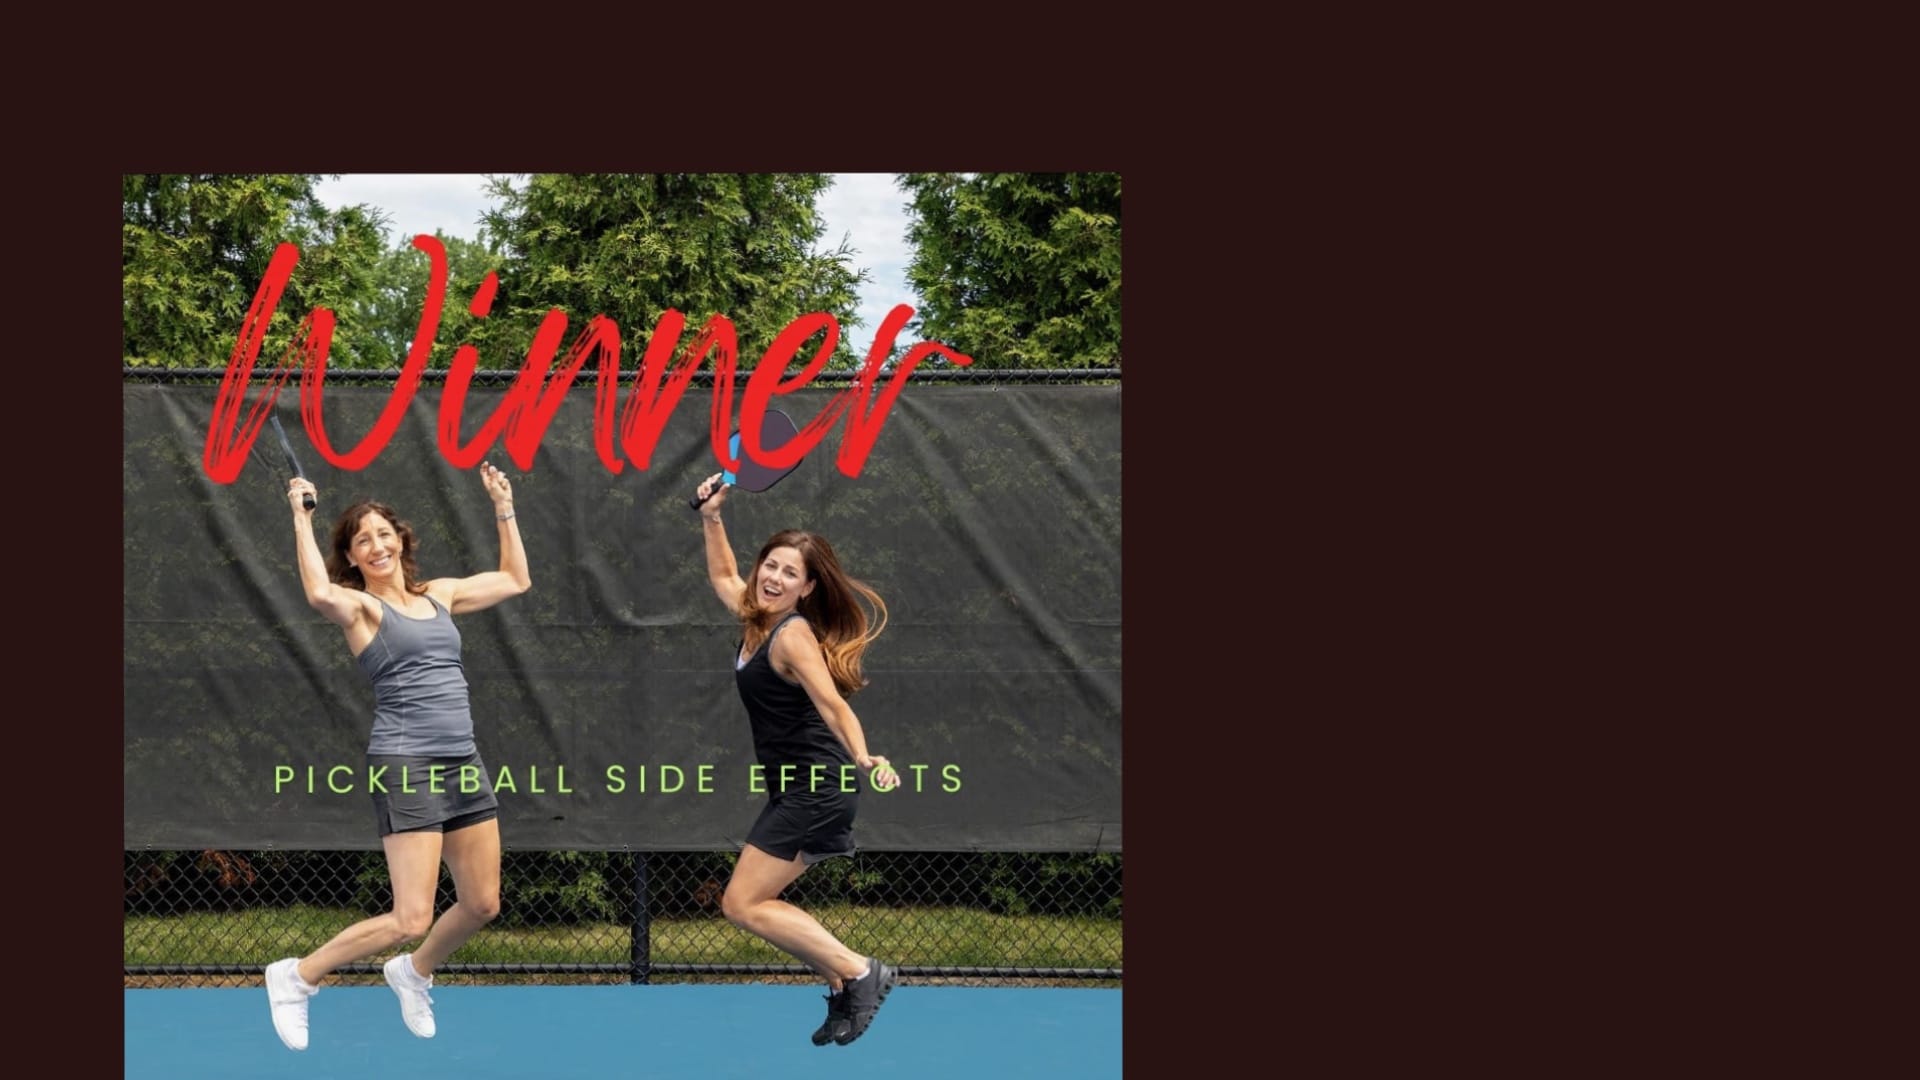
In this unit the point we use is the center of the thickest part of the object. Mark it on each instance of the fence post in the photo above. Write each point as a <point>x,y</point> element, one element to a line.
<point>642,958</point>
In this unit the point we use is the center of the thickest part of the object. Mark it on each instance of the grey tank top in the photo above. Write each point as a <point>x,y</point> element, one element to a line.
<point>419,686</point>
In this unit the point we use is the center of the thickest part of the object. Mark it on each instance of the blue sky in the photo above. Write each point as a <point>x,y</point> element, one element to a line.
<point>863,207</point>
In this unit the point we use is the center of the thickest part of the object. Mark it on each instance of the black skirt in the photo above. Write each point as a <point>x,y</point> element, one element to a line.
<point>812,825</point>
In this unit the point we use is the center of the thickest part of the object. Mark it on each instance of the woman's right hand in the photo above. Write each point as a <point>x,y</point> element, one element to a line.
<point>881,772</point>
<point>296,488</point>
<point>711,507</point>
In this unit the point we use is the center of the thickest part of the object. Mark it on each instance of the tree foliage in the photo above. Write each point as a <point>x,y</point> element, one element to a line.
<point>1018,270</point>
<point>195,247</point>
<point>632,246</point>
<point>390,318</point>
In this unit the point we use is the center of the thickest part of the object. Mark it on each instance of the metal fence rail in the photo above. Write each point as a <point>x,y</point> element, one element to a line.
<point>704,377</point>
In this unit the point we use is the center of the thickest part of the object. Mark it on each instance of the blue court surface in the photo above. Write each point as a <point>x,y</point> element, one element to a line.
<point>677,1030</point>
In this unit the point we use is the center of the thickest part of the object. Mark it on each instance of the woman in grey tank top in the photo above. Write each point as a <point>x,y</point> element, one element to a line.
<point>400,631</point>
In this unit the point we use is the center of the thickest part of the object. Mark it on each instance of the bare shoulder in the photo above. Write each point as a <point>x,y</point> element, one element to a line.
<point>364,620</point>
<point>794,634</point>
<point>442,590</point>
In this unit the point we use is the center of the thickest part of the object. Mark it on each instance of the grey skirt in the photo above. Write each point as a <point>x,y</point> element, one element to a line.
<point>430,794</point>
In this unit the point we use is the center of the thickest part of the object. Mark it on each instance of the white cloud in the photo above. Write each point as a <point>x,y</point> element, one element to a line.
<point>871,213</point>
<point>873,210</point>
<point>415,202</point>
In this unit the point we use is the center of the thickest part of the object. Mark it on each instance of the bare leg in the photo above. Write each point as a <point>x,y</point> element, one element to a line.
<point>473,856</point>
<point>413,866</point>
<point>750,904</point>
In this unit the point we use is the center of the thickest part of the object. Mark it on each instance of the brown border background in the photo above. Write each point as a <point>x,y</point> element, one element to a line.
<point>1198,556</point>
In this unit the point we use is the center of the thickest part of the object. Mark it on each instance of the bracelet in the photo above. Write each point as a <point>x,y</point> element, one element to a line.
<point>503,517</point>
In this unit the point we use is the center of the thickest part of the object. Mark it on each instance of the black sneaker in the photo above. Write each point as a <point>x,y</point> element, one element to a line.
<point>838,1021</point>
<point>863,1000</point>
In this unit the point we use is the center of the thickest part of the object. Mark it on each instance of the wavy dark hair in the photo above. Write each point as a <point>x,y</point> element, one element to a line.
<point>342,572</point>
<point>837,608</point>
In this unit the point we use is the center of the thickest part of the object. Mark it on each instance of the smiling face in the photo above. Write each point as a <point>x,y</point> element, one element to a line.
<point>375,550</point>
<point>372,545</point>
<point>780,581</point>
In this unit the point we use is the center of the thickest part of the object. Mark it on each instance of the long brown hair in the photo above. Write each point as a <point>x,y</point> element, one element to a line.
<point>342,572</point>
<point>837,608</point>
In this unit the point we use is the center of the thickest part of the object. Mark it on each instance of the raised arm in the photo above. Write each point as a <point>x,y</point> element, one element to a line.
<point>796,654</point>
<point>483,590</point>
<point>722,571</point>
<point>342,607</point>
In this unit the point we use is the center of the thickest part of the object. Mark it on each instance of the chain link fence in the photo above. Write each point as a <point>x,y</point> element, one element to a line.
<point>200,918</point>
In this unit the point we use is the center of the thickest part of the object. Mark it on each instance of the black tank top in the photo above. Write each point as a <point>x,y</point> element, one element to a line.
<point>787,729</point>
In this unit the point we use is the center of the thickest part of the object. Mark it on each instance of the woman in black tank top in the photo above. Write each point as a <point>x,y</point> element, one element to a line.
<point>367,584</point>
<point>804,626</point>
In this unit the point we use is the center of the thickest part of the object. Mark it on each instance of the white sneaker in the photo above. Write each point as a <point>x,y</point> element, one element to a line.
<point>416,1008</point>
<point>288,999</point>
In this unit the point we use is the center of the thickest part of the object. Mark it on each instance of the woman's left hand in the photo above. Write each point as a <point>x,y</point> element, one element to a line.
<point>497,487</point>
<point>885,778</point>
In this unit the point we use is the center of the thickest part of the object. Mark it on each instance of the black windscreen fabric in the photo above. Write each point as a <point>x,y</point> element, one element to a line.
<point>603,700</point>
